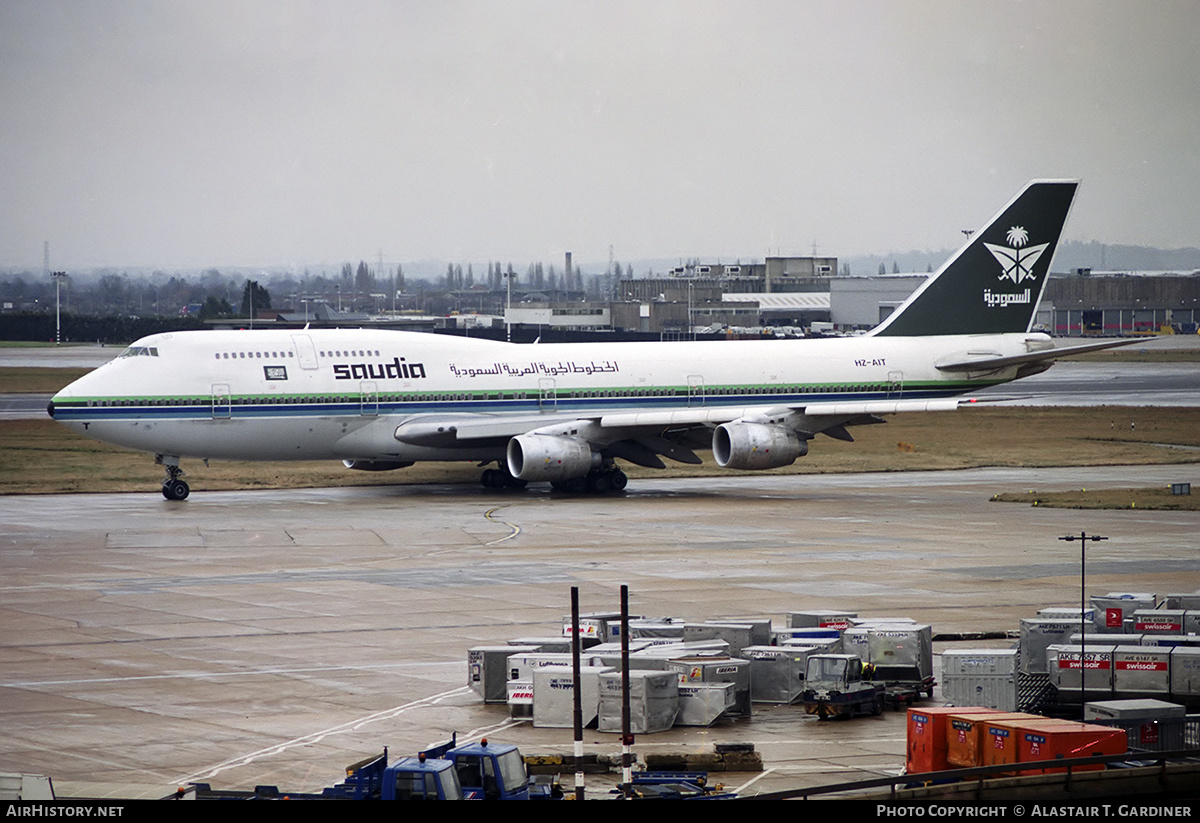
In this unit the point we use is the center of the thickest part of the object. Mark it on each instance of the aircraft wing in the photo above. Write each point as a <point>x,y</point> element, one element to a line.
<point>639,436</point>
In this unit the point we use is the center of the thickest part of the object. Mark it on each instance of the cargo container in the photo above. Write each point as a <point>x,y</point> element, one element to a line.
<point>901,653</point>
<point>603,626</point>
<point>927,738</point>
<point>777,672</point>
<point>1037,634</point>
<point>1190,600</point>
<point>980,677</point>
<point>1185,674</point>
<point>1001,740</point>
<point>1071,678</point>
<point>1149,724</point>
<point>653,701</point>
<point>553,701</point>
<point>1115,608</point>
<point>821,619</point>
<point>827,640</point>
<point>966,734</point>
<point>656,627</point>
<point>1064,739</point>
<point>1158,621</point>
<point>702,704</point>
<point>738,634</point>
<point>487,670</point>
<point>1141,670</point>
<point>1075,613</point>
<point>717,668</point>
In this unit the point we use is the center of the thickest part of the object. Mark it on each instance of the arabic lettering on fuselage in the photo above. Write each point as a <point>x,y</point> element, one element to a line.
<point>539,369</point>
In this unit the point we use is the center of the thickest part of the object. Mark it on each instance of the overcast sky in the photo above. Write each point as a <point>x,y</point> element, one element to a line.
<point>210,133</point>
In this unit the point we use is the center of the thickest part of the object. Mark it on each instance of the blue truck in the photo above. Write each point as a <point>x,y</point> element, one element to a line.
<point>473,771</point>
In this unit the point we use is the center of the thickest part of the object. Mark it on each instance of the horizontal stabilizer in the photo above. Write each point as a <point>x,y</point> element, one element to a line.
<point>985,363</point>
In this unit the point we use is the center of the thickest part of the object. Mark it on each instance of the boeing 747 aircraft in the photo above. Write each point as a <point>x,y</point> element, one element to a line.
<point>566,413</point>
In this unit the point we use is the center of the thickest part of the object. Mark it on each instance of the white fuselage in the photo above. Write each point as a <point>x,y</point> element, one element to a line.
<point>342,393</point>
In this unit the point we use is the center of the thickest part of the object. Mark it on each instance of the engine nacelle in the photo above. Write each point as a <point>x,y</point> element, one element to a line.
<point>550,457</point>
<point>756,446</point>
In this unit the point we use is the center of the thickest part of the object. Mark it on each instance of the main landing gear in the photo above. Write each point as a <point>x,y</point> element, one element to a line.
<point>600,481</point>
<point>173,488</point>
<point>501,478</point>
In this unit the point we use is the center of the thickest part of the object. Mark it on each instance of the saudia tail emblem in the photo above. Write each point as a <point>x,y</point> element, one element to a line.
<point>1017,262</point>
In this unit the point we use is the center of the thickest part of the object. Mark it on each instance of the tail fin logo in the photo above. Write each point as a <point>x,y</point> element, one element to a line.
<point>1016,262</point>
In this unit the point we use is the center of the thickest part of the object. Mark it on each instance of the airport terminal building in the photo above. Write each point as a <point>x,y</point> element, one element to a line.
<point>1082,302</point>
<point>794,293</point>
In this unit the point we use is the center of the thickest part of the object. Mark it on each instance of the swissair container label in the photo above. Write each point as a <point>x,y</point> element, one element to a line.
<point>1068,663</point>
<point>1142,665</point>
<point>1152,624</point>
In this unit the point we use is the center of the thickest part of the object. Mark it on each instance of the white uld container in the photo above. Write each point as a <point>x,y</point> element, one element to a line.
<point>554,696</point>
<point>702,704</point>
<point>777,672</point>
<point>653,701</point>
<point>1069,676</point>
<point>980,677</point>
<point>487,670</point>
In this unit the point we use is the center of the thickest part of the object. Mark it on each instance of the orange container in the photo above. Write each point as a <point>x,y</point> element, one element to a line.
<point>999,740</point>
<point>1065,739</point>
<point>926,738</point>
<point>965,735</point>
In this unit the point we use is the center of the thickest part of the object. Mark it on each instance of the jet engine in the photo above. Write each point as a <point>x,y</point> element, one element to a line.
<point>741,445</point>
<point>550,457</point>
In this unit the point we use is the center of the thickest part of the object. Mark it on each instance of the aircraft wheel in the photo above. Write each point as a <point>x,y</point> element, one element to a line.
<point>598,483</point>
<point>175,490</point>
<point>500,479</point>
<point>617,480</point>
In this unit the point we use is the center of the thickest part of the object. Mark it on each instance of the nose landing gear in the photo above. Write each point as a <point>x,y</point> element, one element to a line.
<point>173,488</point>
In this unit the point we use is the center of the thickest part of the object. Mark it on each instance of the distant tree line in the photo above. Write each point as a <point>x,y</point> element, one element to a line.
<point>81,328</point>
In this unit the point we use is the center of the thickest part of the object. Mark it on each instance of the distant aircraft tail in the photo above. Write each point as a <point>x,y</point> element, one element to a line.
<point>993,284</point>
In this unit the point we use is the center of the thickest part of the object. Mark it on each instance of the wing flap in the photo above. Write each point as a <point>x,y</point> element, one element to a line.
<point>851,409</point>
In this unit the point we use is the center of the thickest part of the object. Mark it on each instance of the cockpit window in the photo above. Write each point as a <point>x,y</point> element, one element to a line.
<point>140,351</point>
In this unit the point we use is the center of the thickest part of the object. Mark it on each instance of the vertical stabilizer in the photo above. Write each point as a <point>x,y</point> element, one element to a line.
<point>992,285</point>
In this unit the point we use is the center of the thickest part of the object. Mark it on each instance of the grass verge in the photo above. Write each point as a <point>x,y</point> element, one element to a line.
<point>39,456</point>
<point>1160,498</point>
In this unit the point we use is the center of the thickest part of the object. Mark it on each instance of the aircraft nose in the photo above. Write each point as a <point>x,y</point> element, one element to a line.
<point>50,408</point>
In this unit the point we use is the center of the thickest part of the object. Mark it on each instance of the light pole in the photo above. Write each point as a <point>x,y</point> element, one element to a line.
<point>1083,538</point>
<point>58,276</point>
<point>508,277</point>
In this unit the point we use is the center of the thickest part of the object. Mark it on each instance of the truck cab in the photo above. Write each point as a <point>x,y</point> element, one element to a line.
<point>486,771</point>
<point>838,685</point>
<point>421,778</point>
<point>825,673</point>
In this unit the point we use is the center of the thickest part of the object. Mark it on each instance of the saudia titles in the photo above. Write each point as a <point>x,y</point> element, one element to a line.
<point>1016,264</point>
<point>398,369</point>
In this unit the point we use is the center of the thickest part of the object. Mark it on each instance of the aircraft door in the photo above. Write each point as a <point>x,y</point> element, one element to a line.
<point>895,384</point>
<point>695,390</point>
<point>369,394</point>
<point>222,401</point>
<point>547,397</point>
<point>306,353</point>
